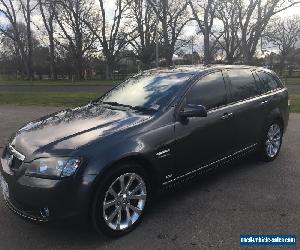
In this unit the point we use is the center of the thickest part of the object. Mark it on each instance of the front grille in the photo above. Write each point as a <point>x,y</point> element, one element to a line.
<point>14,158</point>
<point>16,163</point>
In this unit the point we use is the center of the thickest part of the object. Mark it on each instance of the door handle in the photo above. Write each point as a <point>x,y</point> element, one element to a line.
<point>264,102</point>
<point>226,116</point>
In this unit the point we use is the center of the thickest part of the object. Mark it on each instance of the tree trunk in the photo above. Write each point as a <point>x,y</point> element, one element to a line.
<point>29,41</point>
<point>53,73</point>
<point>145,59</point>
<point>207,57</point>
<point>230,59</point>
<point>248,58</point>
<point>79,74</point>
<point>23,59</point>
<point>169,55</point>
<point>109,69</point>
<point>145,65</point>
<point>20,59</point>
<point>281,63</point>
<point>169,60</point>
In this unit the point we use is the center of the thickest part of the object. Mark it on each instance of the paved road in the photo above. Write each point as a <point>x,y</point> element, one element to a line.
<point>211,213</point>
<point>293,89</point>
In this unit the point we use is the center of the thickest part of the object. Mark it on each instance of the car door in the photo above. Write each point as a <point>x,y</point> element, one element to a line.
<point>247,107</point>
<point>202,140</point>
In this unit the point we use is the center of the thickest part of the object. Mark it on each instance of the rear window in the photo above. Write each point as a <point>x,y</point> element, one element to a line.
<point>243,84</point>
<point>268,81</point>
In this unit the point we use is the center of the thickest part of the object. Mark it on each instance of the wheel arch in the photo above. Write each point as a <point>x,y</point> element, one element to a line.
<point>143,162</point>
<point>146,164</point>
<point>276,116</point>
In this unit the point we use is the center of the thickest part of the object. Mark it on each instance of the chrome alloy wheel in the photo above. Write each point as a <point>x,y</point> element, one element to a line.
<point>124,201</point>
<point>273,141</point>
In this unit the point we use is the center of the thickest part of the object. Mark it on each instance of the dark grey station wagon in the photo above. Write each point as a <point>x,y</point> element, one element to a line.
<point>104,161</point>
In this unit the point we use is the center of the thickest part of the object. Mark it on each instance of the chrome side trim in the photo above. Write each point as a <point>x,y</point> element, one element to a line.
<point>163,152</point>
<point>248,100</point>
<point>16,153</point>
<point>210,164</point>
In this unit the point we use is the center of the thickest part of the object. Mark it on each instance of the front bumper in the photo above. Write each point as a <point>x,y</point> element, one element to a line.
<point>64,199</point>
<point>24,214</point>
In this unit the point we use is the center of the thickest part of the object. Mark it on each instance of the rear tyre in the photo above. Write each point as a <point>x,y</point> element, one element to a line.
<point>121,200</point>
<point>272,141</point>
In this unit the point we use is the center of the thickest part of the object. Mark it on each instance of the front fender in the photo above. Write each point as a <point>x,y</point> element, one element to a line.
<point>145,148</point>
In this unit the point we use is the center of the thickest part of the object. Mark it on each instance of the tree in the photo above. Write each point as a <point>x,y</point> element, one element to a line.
<point>204,12</point>
<point>75,36</point>
<point>27,7</point>
<point>227,13</point>
<point>110,32</point>
<point>48,10</point>
<point>254,16</point>
<point>18,14</point>
<point>10,59</point>
<point>144,39</point>
<point>14,30</point>
<point>284,34</point>
<point>173,16</point>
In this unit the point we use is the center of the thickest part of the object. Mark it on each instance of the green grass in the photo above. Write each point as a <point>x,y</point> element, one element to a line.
<point>46,98</point>
<point>75,99</point>
<point>295,103</point>
<point>57,82</point>
<point>292,81</point>
<point>289,81</point>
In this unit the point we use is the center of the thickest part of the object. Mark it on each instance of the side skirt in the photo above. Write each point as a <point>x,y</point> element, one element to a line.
<point>210,166</point>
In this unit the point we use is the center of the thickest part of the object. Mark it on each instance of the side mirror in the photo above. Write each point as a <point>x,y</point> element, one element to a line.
<point>193,111</point>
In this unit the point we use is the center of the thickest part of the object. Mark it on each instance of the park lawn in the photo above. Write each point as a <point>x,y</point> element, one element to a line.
<point>295,103</point>
<point>75,99</point>
<point>46,98</point>
<point>58,82</point>
<point>292,81</point>
<point>288,81</point>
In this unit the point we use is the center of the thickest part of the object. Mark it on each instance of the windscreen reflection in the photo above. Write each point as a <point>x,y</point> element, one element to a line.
<point>148,90</point>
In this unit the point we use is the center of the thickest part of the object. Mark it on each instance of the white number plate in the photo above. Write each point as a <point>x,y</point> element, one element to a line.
<point>5,189</point>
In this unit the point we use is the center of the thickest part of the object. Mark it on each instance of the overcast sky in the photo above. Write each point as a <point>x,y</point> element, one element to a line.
<point>289,12</point>
<point>191,30</point>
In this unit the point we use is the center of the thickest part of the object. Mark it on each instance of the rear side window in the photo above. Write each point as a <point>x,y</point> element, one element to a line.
<point>209,91</point>
<point>243,84</point>
<point>268,82</point>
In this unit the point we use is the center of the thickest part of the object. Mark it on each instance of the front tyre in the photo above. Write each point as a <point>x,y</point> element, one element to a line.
<point>272,141</point>
<point>121,200</point>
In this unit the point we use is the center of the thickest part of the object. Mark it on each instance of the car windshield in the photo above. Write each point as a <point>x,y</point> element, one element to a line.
<point>149,91</point>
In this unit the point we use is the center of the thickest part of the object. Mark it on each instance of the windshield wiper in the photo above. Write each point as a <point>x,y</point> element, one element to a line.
<point>144,109</point>
<point>137,108</point>
<point>117,104</point>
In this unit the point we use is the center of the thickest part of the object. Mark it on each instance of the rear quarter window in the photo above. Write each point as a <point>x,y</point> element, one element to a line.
<point>268,81</point>
<point>243,84</point>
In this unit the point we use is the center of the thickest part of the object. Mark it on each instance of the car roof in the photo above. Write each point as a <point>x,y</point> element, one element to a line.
<point>195,69</point>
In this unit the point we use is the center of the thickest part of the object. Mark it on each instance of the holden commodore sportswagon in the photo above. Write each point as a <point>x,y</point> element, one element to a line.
<point>105,160</point>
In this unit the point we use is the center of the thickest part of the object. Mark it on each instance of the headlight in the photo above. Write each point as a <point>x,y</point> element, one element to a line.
<point>53,167</point>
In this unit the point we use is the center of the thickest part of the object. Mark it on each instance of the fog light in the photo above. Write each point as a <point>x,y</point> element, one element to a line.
<point>45,212</point>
